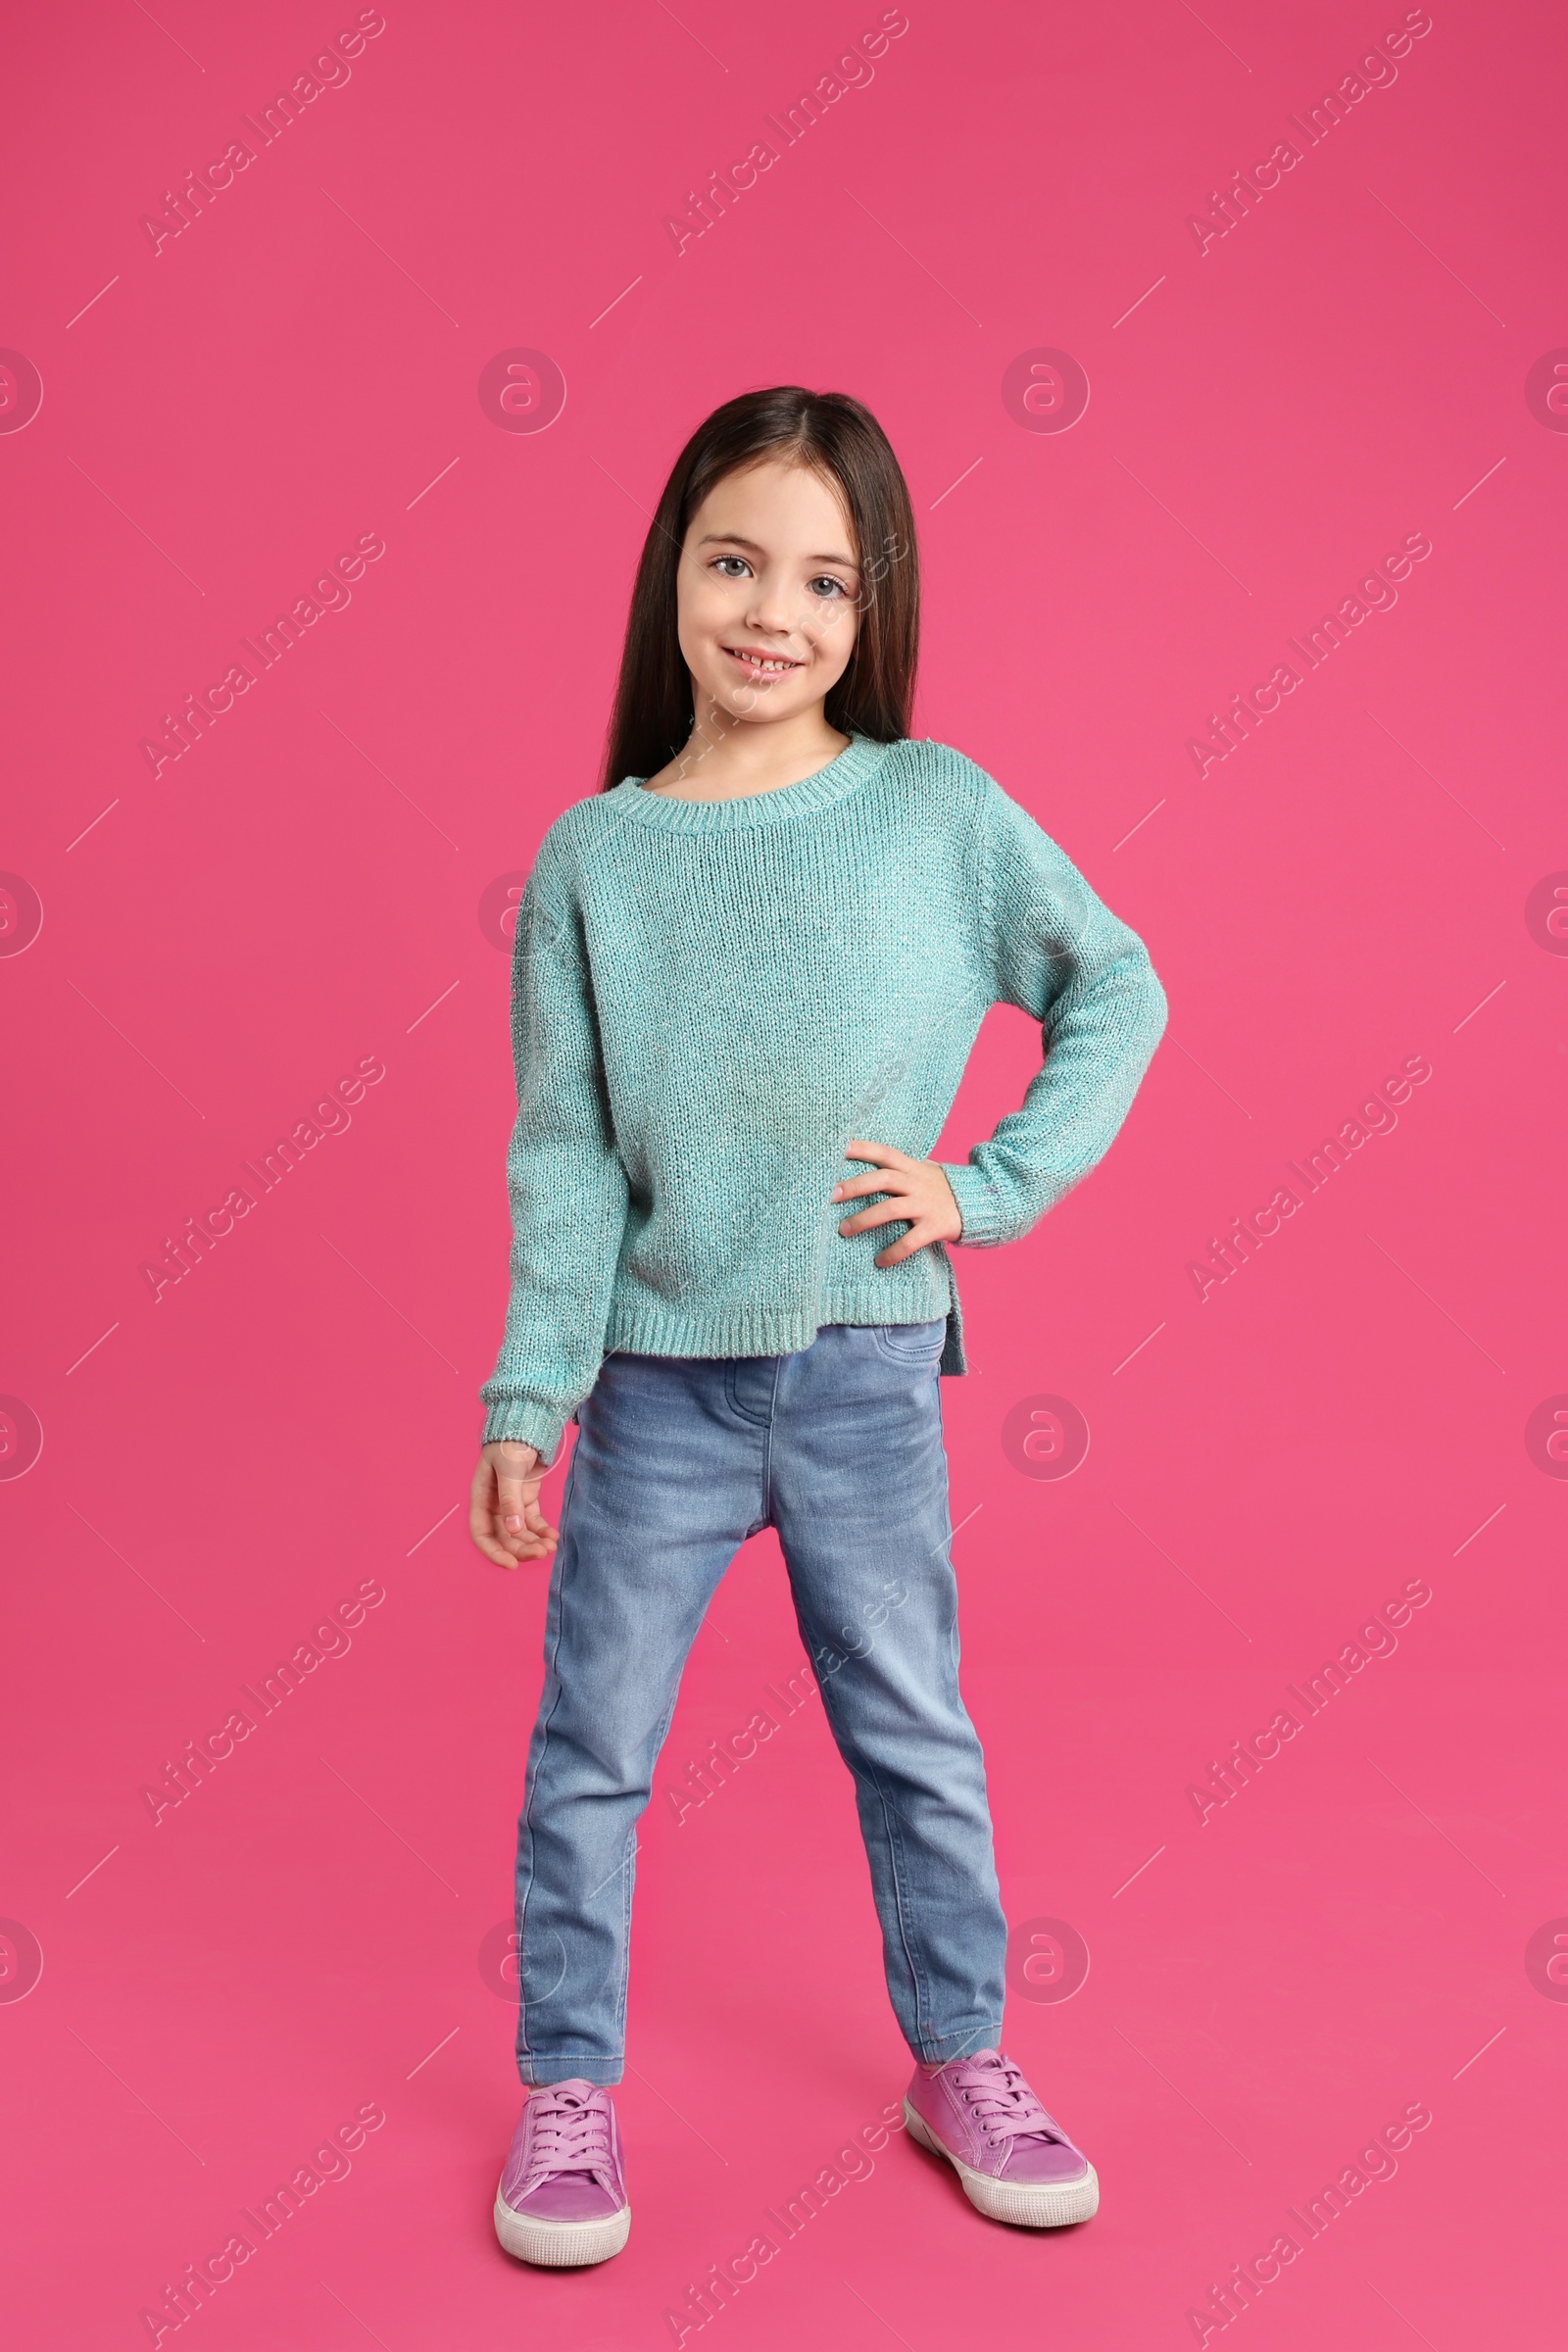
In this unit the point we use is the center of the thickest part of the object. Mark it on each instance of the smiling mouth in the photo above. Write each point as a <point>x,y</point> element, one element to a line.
<point>767,666</point>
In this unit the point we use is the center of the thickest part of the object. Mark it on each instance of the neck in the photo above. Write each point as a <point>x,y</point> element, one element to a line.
<point>726,757</point>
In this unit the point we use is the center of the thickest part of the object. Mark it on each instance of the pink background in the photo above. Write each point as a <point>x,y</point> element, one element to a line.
<point>303,890</point>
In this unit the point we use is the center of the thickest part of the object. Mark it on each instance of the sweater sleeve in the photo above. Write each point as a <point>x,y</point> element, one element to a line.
<point>565,1180</point>
<point>1060,956</point>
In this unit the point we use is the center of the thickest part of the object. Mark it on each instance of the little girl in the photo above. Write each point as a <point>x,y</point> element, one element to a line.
<point>747,976</point>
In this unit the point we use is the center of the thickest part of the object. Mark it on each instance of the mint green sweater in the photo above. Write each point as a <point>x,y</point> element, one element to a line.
<point>710,999</point>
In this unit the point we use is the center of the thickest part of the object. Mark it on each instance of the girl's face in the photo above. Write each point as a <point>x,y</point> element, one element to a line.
<point>767,593</point>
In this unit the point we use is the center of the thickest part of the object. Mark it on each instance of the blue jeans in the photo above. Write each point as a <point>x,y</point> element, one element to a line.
<point>678,1459</point>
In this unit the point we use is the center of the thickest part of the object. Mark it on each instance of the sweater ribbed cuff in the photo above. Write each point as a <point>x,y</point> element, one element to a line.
<point>980,1206</point>
<point>519,1421</point>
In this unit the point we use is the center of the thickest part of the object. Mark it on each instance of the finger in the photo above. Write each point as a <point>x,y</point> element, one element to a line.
<point>512,1505</point>
<point>481,1497</point>
<point>482,1516</point>
<point>882,1155</point>
<point>493,1553</point>
<point>918,1237</point>
<point>538,1524</point>
<point>533,1538</point>
<point>875,1180</point>
<point>518,1521</point>
<point>492,1545</point>
<point>888,1212</point>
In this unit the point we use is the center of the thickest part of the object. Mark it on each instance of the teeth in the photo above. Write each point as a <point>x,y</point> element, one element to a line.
<point>761,661</point>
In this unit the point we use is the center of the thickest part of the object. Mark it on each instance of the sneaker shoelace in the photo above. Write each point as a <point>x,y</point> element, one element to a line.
<point>570,2133</point>
<point>1000,2101</point>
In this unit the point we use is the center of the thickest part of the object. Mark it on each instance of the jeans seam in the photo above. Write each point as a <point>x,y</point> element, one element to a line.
<point>896,1865</point>
<point>890,1812</point>
<point>767,1446</point>
<point>895,1869</point>
<point>627,1877</point>
<point>554,1652</point>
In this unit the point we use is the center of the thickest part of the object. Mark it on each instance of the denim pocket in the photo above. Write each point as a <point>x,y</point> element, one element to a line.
<point>913,1343</point>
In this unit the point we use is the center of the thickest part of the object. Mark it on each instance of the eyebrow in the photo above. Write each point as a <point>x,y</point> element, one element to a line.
<point>734,539</point>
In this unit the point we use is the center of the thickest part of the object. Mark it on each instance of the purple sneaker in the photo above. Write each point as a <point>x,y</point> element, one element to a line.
<point>563,2197</point>
<point>1015,2162</point>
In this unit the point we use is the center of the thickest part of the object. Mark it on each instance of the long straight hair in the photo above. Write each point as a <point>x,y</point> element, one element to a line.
<point>842,441</point>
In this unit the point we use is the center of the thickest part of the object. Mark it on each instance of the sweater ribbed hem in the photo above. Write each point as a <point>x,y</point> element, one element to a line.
<point>980,1206</point>
<point>522,1421</point>
<point>741,1329</point>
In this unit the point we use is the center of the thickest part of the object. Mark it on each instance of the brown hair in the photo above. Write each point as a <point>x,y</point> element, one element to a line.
<point>844,443</point>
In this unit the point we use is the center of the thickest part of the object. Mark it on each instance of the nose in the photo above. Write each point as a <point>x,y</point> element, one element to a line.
<point>771,613</point>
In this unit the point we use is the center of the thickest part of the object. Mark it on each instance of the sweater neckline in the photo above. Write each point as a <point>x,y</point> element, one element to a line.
<point>859,759</point>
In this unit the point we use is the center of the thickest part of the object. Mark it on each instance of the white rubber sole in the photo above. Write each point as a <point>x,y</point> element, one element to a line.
<point>1030,2207</point>
<point>561,2244</point>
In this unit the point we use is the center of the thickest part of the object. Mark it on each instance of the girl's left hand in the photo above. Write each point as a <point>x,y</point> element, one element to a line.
<point>921,1197</point>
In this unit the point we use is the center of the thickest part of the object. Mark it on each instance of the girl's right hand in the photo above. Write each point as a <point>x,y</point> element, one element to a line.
<point>503,1515</point>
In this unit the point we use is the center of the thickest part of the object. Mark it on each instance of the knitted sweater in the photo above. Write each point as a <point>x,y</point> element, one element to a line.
<point>710,999</point>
